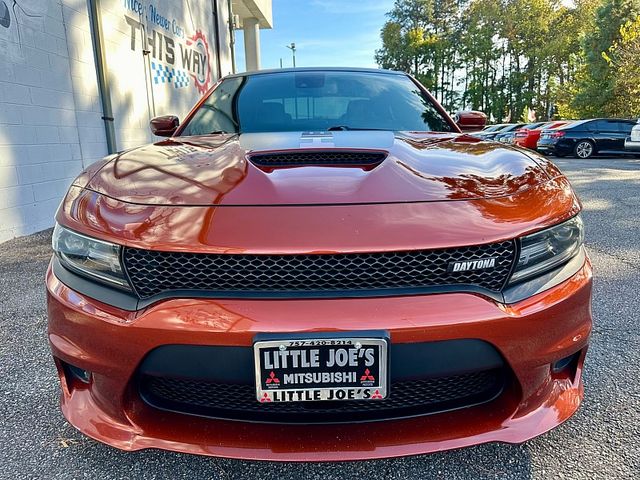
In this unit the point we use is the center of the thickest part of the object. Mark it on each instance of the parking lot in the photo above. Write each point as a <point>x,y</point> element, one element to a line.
<point>601,441</point>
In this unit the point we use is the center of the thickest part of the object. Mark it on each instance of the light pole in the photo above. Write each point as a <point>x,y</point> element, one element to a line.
<point>292,47</point>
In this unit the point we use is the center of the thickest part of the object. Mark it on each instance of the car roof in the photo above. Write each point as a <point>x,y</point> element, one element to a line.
<point>316,69</point>
<point>557,124</point>
<point>576,123</point>
<point>514,125</point>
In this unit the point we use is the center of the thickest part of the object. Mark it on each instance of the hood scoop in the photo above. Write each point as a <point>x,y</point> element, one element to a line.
<point>320,157</point>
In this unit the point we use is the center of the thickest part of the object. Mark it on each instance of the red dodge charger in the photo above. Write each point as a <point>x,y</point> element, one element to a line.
<point>319,265</point>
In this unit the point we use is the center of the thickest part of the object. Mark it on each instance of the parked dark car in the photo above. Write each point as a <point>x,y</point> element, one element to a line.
<point>586,138</point>
<point>510,136</point>
<point>505,132</point>
<point>489,133</point>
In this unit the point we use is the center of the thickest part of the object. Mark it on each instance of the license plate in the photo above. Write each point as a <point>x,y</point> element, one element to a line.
<point>545,137</point>
<point>305,369</point>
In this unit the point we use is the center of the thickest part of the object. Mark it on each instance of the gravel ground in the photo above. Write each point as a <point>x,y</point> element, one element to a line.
<point>601,441</point>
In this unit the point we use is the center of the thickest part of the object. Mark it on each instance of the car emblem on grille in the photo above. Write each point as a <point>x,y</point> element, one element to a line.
<point>468,265</point>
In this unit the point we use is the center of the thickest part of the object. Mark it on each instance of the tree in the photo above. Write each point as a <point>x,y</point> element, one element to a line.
<point>594,90</point>
<point>569,27</point>
<point>624,60</point>
<point>480,58</point>
<point>403,36</point>
<point>506,56</point>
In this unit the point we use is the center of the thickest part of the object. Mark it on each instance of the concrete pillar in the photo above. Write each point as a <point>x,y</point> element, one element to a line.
<point>251,43</point>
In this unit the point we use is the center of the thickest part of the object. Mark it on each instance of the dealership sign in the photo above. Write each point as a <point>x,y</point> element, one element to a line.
<point>178,58</point>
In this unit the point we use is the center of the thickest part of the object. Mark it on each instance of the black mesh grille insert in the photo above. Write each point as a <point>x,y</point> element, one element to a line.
<point>406,398</point>
<point>154,272</point>
<point>329,157</point>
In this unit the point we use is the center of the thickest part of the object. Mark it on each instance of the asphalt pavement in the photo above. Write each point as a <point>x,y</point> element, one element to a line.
<point>601,441</point>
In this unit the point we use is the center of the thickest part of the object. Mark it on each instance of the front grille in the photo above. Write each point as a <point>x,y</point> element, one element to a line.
<point>154,272</point>
<point>406,399</point>
<point>328,157</point>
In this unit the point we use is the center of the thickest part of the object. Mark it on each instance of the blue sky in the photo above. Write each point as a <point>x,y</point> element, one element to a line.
<point>326,33</point>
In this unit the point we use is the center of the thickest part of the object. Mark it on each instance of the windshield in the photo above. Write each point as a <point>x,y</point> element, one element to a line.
<point>316,101</point>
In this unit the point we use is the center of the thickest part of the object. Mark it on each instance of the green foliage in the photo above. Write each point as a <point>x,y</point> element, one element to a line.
<point>506,56</point>
<point>623,58</point>
<point>595,82</point>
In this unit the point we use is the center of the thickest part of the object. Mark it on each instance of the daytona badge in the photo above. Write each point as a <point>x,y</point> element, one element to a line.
<point>469,265</point>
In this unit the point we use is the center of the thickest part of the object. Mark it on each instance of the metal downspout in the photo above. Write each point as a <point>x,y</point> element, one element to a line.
<point>217,30</point>
<point>232,41</point>
<point>95,22</point>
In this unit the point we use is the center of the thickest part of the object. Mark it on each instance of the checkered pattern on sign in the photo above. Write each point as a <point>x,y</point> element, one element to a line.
<point>161,73</point>
<point>165,74</point>
<point>181,79</point>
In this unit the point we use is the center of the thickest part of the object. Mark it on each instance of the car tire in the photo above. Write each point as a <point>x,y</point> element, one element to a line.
<point>584,149</point>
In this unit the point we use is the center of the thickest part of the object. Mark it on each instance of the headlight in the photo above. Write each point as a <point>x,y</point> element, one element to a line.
<point>549,249</point>
<point>89,257</point>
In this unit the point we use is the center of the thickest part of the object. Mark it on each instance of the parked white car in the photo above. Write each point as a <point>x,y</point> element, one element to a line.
<point>633,142</point>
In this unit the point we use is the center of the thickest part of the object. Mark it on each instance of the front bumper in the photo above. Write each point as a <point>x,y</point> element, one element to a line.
<point>531,335</point>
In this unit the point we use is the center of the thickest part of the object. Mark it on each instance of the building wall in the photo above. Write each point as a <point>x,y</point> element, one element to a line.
<point>51,123</point>
<point>180,67</point>
<point>39,139</point>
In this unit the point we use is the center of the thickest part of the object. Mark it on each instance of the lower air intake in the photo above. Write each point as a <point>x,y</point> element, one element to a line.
<point>406,399</point>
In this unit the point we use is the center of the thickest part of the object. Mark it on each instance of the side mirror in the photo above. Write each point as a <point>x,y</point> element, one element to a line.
<point>164,126</point>
<point>470,120</point>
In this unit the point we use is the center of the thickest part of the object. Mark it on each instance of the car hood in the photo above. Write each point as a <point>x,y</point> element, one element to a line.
<point>218,170</point>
